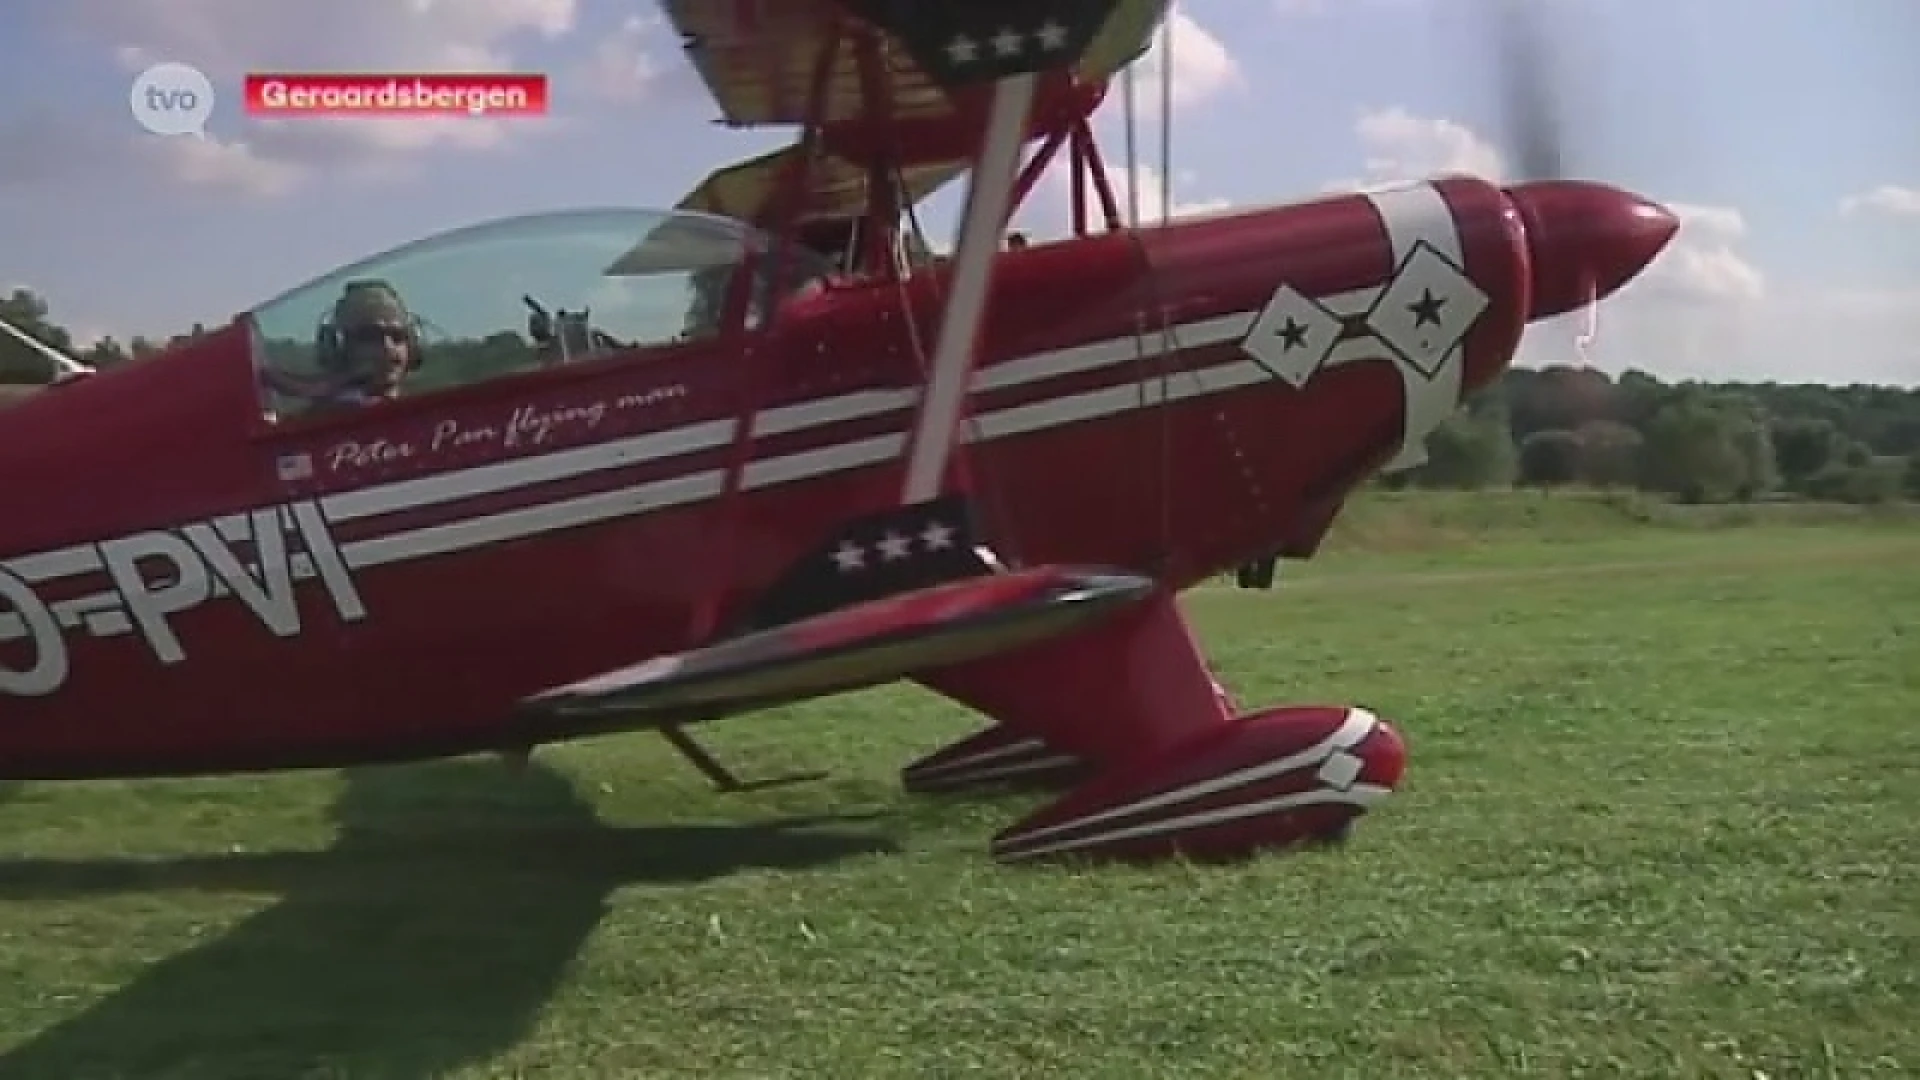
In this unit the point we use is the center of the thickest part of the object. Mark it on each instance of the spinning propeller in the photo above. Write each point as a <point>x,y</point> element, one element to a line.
<point>1529,93</point>
<point>1530,80</point>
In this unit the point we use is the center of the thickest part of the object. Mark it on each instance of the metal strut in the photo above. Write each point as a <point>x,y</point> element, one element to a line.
<point>723,778</point>
<point>987,198</point>
<point>64,367</point>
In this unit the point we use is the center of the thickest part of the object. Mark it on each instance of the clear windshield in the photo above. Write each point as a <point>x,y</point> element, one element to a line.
<point>514,295</point>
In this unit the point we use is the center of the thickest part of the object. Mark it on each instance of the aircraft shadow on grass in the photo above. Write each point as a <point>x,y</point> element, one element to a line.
<point>422,941</point>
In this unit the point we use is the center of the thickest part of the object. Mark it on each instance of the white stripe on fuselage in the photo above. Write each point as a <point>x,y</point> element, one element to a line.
<point>691,488</point>
<point>839,457</point>
<point>1412,216</point>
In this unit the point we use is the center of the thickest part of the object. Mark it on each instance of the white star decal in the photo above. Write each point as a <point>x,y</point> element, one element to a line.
<point>937,537</point>
<point>963,50</point>
<point>894,547</point>
<point>1426,309</point>
<point>1053,36</point>
<point>1008,43</point>
<point>1292,336</point>
<point>849,557</point>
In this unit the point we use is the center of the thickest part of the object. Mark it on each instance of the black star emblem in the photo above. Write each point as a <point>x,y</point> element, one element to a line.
<point>1427,308</point>
<point>1294,334</point>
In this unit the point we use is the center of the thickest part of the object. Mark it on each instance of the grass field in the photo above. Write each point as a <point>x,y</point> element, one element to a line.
<point>1662,819</point>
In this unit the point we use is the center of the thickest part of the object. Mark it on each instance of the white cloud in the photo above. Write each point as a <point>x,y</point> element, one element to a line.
<point>209,163</point>
<point>1203,67</point>
<point>1801,334</point>
<point>1701,310</point>
<point>1868,303</point>
<point>1697,308</point>
<point>1048,211</point>
<point>53,151</point>
<point>625,66</point>
<point>230,38</point>
<point>1400,147</point>
<point>1885,199</point>
<point>1154,193</point>
<point>1703,261</point>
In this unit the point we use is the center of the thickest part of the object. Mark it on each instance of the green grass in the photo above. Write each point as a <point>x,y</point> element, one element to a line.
<point>1662,819</point>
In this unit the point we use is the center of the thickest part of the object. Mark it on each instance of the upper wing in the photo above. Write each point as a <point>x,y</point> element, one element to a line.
<point>759,57</point>
<point>837,191</point>
<point>899,79</point>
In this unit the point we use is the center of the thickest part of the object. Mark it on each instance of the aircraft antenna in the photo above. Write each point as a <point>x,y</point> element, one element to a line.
<point>914,226</point>
<point>64,367</point>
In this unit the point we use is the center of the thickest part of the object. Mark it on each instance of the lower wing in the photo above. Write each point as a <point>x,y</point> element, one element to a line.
<point>867,644</point>
<point>905,591</point>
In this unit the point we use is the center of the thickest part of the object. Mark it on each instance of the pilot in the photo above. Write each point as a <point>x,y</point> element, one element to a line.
<point>367,346</point>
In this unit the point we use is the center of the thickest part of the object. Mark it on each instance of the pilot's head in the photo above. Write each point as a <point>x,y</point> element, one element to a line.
<point>374,339</point>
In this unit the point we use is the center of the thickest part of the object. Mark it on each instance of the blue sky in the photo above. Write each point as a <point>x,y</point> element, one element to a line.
<point>1760,119</point>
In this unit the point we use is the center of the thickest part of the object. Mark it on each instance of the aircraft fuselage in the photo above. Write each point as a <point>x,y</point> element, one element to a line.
<point>186,587</point>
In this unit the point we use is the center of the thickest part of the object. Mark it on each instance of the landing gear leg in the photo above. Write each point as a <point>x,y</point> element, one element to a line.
<point>722,777</point>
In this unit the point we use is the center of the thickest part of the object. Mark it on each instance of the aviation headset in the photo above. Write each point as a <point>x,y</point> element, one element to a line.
<point>330,344</point>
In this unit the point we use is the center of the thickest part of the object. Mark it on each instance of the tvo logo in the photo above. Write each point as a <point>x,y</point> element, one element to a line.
<point>172,99</point>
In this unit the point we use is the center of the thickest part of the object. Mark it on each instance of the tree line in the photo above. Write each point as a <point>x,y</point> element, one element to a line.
<point>1691,441</point>
<point>27,310</point>
<point>1544,428</point>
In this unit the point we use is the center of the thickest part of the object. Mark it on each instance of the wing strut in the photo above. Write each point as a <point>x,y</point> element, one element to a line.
<point>988,193</point>
<point>64,367</point>
<point>723,778</point>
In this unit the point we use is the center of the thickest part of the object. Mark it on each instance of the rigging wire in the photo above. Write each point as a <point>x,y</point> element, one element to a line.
<point>1142,357</point>
<point>1166,113</point>
<point>993,496</point>
<point>1133,154</point>
<point>1168,344</point>
<point>1152,380</point>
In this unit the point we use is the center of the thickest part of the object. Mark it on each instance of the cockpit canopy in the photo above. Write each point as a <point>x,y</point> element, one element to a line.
<point>523,293</point>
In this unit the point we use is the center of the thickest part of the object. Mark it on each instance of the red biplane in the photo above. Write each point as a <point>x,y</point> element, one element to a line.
<point>777,450</point>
